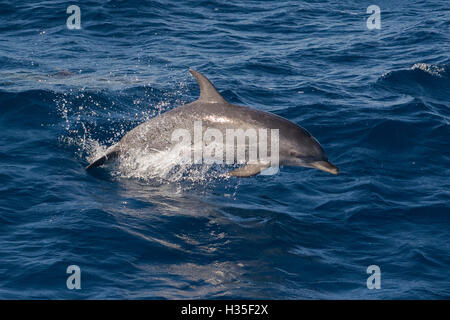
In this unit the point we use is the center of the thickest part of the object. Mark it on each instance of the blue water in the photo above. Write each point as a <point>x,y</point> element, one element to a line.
<point>377,100</point>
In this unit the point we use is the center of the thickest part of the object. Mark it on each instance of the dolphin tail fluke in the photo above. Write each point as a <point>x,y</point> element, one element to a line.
<point>100,161</point>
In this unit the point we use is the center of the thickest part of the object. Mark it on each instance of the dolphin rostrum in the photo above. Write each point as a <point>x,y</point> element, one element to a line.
<point>296,146</point>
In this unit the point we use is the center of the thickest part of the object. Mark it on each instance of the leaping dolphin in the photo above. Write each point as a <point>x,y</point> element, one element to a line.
<point>297,147</point>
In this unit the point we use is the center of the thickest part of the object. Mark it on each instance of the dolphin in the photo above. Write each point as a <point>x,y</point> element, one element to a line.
<point>297,147</point>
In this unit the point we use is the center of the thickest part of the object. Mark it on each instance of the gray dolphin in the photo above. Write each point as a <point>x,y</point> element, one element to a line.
<point>297,147</point>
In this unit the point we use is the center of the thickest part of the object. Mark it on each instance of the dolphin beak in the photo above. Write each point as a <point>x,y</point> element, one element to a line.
<point>325,166</point>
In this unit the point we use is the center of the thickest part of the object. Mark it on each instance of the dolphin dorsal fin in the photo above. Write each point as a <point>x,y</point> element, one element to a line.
<point>208,93</point>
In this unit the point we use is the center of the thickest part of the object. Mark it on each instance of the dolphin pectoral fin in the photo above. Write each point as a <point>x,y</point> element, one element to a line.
<point>248,170</point>
<point>100,161</point>
<point>325,166</point>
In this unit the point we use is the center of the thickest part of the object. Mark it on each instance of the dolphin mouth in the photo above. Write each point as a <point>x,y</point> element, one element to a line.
<point>325,166</point>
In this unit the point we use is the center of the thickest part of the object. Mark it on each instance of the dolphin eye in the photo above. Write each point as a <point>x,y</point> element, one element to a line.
<point>293,153</point>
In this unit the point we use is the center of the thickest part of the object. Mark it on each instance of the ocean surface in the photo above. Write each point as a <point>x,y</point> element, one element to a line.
<point>378,100</point>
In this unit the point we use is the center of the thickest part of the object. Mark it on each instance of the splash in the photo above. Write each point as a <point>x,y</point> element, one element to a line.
<point>431,69</point>
<point>93,121</point>
<point>172,165</point>
<point>438,71</point>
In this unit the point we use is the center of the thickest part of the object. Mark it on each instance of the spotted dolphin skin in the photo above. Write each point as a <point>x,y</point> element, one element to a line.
<point>296,146</point>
